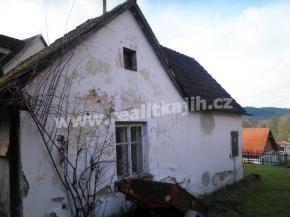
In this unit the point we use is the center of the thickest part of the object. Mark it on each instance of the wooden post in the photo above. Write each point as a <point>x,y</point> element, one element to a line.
<point>14,163</point>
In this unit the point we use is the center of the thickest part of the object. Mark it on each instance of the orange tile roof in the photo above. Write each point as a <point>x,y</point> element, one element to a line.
<point>254,139</point>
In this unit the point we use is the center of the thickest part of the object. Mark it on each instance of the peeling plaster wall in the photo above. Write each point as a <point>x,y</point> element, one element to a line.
<point>193,150</point>
<point>38,175</point>
<point>4,164</point>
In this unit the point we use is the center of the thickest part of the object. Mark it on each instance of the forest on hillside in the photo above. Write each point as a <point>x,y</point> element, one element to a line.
<point>280,127</point>
<point>275,118</point>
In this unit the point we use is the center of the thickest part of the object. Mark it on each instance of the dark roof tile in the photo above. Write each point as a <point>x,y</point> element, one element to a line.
<point>196,81</point>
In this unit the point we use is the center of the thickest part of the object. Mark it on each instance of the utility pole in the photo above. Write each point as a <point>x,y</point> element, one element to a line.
<point>104,6</point>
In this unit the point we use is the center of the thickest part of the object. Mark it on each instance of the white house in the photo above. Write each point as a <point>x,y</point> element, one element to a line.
<point>284,146</point>
<point>113,65</point>
<point>12,52</point>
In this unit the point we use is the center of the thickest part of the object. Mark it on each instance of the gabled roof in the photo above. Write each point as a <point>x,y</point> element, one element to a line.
<point>255,139</point>
<point>190,78</point>
<point>15,46</point>
<point>20,74</point>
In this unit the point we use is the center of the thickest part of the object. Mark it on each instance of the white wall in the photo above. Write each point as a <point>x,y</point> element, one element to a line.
<point>193,149</point>
<point>45,194</point>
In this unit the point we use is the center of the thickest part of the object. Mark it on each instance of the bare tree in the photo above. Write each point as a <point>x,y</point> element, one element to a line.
<point>81,150</point>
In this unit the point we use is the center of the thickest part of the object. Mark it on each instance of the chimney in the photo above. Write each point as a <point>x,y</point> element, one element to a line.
<point>104,6</point>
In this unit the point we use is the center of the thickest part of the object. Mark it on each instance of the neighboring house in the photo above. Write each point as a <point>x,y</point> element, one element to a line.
<point>284,146</point>
<point>12,52</point>
<point>116,57</point>
<point>259,143</point>
<point>258,140</point>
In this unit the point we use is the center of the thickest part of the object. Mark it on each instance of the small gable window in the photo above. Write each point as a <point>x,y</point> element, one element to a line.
<point>130,60</point>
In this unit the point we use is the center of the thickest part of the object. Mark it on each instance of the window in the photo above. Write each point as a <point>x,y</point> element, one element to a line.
<point>235,143</point>
<point>130,60</point>
<point>129,149</point>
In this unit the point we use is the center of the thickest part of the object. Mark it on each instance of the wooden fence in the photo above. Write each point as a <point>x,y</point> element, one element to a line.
<point>268,158</point>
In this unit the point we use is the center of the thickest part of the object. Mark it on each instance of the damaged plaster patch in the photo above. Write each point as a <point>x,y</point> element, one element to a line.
<point>51,215</point>
<point>97,96</point>
<point>75,76</point>
<point>145,74</point>
<point>150,78</point>
<point>57,199</point>
<point>24,185</point>
<point>39,178</point>
<point>119,59</point>
<point>224,175</point>
<point>207,122</point>
<point>94,66</point>
<point>131,41</point>
<point>160,131</point>
<point>55,179</point>
<point>205,179</point>
<point>130,98</point>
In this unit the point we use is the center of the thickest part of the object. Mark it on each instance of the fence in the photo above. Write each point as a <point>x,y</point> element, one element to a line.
<point>268,158</point>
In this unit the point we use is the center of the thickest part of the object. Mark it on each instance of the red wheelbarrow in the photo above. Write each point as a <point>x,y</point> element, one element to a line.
<point>157,195</point>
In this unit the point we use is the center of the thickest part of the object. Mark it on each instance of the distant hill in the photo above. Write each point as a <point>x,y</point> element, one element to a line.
<point>278,119</point>
<point>265,113</point>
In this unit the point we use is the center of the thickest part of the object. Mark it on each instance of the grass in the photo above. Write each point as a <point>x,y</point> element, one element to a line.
<point>269,197</point>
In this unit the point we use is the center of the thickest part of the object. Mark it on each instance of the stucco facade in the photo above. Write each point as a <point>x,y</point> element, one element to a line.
<point>191,148</point>
<point>32,47</point>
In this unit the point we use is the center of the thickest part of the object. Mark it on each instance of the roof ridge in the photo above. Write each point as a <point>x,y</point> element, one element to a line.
<point>268,128</point>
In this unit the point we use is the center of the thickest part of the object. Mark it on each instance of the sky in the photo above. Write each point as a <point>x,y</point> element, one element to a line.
<point>243,44</point>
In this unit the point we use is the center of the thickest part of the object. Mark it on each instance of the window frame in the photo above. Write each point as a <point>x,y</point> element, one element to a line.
<point>132,55</point>
<point>128,127</point>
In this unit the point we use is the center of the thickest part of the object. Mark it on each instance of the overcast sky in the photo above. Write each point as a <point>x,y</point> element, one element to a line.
<point>245,45</point>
